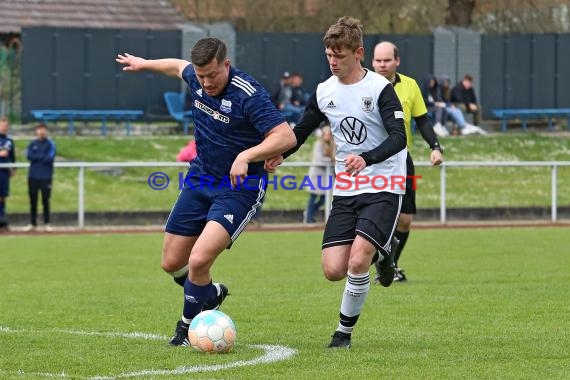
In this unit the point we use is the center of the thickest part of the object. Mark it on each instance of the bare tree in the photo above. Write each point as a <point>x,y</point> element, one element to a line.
<point>522,16</point>
<point>384,16</point>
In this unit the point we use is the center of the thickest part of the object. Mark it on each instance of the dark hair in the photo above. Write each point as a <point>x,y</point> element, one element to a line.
<point>347,32</point>
<point>41,125</point>
<point>468,77</point>
<point>206,49</point>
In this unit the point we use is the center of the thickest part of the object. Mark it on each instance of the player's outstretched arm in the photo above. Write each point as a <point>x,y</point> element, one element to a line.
<point>168,66</point>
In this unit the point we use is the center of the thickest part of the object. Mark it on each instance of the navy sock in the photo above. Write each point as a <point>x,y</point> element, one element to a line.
<point>194,298</point>
<point>2,209</point>
<point>181,280</point>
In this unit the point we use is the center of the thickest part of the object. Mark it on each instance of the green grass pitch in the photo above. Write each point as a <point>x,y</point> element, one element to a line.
<point>480,303</point>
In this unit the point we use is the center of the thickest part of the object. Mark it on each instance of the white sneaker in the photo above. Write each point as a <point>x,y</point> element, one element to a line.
<point>440,130</point>
<point>48,228</point>
<point>470,129</point>
<point>29,228</point>
<point>480,130</point>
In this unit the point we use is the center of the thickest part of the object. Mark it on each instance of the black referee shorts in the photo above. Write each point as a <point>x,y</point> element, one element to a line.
<point>373,216</point>
<point>409,202</point>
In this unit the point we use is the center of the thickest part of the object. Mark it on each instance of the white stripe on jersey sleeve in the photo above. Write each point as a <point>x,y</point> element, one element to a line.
<point>247,87</point>
<point>246,83</point>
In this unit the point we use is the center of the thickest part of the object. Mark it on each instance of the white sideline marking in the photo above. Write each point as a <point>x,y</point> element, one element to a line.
<point>136,335</point>
<point>271,353</point>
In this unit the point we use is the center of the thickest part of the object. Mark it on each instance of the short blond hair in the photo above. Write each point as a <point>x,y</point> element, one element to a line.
<point>346,33</point>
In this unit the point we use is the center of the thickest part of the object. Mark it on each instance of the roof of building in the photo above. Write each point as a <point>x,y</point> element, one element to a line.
<point>121,14</point>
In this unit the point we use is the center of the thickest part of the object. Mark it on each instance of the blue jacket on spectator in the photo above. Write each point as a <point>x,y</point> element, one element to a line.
<point>41,154</point>
<point>6,143</point>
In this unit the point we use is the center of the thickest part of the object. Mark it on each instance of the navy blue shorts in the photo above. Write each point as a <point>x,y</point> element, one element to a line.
<point>4,183</point>
<point>200,202</point>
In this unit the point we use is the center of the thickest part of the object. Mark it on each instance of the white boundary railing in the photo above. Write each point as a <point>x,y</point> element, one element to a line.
<point>81,166</point>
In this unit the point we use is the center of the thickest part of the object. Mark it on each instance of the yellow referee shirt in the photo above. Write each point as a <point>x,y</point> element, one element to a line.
<point>412,101</point>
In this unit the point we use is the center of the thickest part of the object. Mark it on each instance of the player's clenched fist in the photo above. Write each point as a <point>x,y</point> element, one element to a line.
<point>272,163</point>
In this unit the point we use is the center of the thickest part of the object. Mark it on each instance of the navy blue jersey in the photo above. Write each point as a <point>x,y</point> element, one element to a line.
<point>7,144</point>
<point>41,154</point>
<point>228,124</point>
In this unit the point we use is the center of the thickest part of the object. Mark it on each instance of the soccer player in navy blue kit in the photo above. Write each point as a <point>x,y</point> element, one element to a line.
<point>41,154</point>
<point>7,155</point>
<point>237,127</point>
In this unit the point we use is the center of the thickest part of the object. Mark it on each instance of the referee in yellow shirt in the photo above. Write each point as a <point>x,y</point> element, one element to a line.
<point>385,62</point>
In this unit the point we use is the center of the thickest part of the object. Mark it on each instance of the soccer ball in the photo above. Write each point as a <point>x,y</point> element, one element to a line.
<point>212,331</point>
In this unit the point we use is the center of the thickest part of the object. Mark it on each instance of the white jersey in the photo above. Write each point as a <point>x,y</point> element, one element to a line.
<point>357,127</point>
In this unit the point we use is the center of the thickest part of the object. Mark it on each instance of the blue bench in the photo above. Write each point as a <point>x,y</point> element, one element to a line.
<point>525,114</point>
<point>175,105</point>
<point>104,115</point>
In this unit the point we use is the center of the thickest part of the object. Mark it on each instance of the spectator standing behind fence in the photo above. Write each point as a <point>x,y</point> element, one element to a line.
<point>463,96</point>
<point>41,154</point>
<point>7,155</point>
<point>323,151</point>
<point>455,113</point>
<point>435,105</point>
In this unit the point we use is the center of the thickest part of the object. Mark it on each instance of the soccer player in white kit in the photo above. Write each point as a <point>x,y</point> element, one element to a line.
<point>367,122</point>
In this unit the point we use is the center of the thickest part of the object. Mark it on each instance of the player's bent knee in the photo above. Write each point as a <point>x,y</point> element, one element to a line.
<point>359,264</point>
<point>169,266</point>
<point>173,264</point>
<point>175,271</point>
<point>199,263</point>
<point>333,273</point>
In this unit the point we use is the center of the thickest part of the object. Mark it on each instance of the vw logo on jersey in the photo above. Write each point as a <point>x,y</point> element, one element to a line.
<point>354,130</point>
<point>226,106</point>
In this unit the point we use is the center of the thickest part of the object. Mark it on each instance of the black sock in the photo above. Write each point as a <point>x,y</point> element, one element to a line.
<point>180,280</point>
<point>403,238</point>
<point>346,324</point>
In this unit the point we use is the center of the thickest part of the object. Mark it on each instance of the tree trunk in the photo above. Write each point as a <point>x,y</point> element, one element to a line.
<point>459,12</point>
